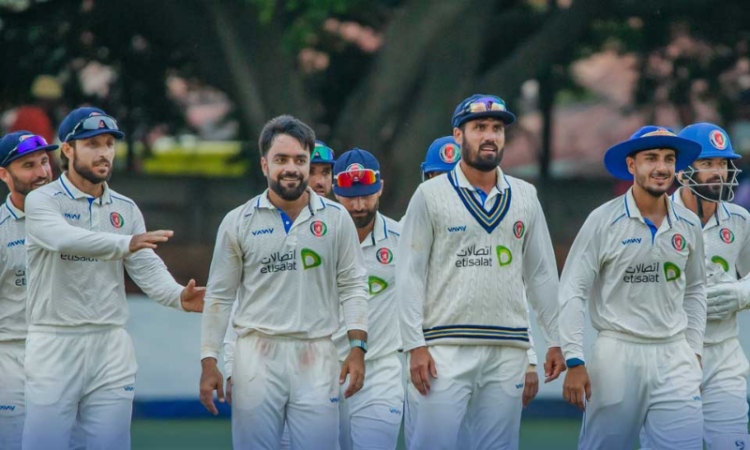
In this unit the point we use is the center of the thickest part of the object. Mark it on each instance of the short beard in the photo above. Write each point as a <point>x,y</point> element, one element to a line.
<point>363,221</point>
<point>287,194</point>
<point>656,193</point>
<point>88,174</point>
<point>471,156</point>
<point>25,188</point>
<point>714,192</point>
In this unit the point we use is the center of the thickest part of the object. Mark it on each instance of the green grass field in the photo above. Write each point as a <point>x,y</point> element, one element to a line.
<point>216,434</point>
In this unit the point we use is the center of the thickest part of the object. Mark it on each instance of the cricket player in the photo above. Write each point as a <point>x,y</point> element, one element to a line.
<point>283,255</point>
<point>80,237</point>
<point>475,245</point>
<point>372,418</point>
<point>639,261</point>
<point>442,155</point>
<point>708,188</point>
<point>321,169</point>
<point>24,166</point>
<point>321,181</point>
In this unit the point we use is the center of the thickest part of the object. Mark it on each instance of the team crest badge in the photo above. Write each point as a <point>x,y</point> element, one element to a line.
<point>384,255</point>
<point>678,242</point>
<point>23,137</point>
<point>318,228</point>
<point>356,170</point>
<point>449,153</point>
<point>518,229</point>
<point>726,235</point>
<point>116,220</point>
<point>718,139</point>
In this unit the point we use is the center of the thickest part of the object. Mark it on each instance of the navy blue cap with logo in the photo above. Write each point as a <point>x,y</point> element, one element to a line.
<point>647,138</point>
<point>479,106</point>
<point>322,154</point>
<point>356,174</point>
<point>87,122</point>
<point>21,143</point>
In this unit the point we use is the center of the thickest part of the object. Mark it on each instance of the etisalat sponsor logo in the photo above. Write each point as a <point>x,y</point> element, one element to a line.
<point>474,256</point>
<point>283,261</point>
<point>650,273</point>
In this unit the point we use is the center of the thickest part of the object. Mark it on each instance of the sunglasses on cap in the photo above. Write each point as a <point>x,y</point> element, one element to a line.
<point>484,104</point>
<point>27,145</point>
<point>322,152</point>
<point>93,123</point>
<point>364,177</point>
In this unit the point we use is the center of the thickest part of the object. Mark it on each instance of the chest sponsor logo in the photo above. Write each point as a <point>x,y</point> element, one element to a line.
<point>72,216</point>
<point>727,236</point>
<point>384,256</point>
<point>631,241</point>
<point>7,407</point>
<point>678,242</point>
<point>456,229</point>
<point>116,220</point>
<point>720,261</point>
<point>310,259</point>
<point>284,261</point>
<point>393,410</point>
<point>376,285</point>
<point>474,256</point>
<point>16,243</point>
<point>20,277</point>
<point>650,273</point>
<point>519,229</point>
<point>261,232</point>
<point>76,258</point>
<point>318,228</point>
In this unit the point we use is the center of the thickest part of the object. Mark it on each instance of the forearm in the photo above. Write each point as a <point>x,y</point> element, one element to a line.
<point>214,323</point>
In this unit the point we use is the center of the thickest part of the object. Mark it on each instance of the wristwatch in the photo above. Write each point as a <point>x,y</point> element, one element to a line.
<point>358,343</point>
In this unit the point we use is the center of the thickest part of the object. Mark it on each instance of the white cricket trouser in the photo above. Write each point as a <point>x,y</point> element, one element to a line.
<point>371,418</point>
<point>725,370</point>
<point>639,383</point>
<point>12,404</point>
<point>276,379</point>
<point>483,384</point>
<point>86,372</point>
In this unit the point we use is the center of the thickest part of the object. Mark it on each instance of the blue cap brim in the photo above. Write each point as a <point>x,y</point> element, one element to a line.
<point>357,190</point>
<point>47,148</point>
<point>119,135</point>
<point>615,159</point>
<point>506,116</point>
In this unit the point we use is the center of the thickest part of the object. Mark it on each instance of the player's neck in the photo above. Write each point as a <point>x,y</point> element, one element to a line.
<point>366,230</point>
<point>291,208</point>
<point>482,180</point>
<point>691,202</point>
<point>93,189</point>
<point>18,200</point>
<point>650,207</point>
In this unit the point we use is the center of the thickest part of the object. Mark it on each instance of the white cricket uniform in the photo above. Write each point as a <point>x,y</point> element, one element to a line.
<point>371,419</point>
<point>284,276</point>
<point>648,302</point>
<point>12,324</point>
<point>467,264</point>
<point>725,368</point>
<point>79,358</point>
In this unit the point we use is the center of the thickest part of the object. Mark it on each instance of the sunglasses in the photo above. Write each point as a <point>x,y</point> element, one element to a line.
<point>322,152</point>
<point>485,104</point>
<point>364,177</point>
<point>93,123</point>
<point>25,146</point>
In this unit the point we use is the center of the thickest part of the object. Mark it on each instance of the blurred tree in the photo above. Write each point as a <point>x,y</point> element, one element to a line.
<point>382,75</point>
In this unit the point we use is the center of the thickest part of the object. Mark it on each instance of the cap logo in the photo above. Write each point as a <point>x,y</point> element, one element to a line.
<point>718,139</point>
<point>449,153</point>
<point>95,114</point>
<point>24,137</point>
<point>102,124</point>
<point>355,170</point>
<point>659,132</point>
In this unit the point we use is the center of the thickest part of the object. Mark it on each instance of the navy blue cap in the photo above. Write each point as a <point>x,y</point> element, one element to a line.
<point>356,159</point>
<point>77,116</point>
<point>713,140</point>
<point>442,155</point>
<point>322,154</point>
<point>11,141</point>
<point>647,138</point>
<point>494,106</point>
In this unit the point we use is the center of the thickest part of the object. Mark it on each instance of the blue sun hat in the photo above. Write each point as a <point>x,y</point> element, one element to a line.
<point>647,138</point>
